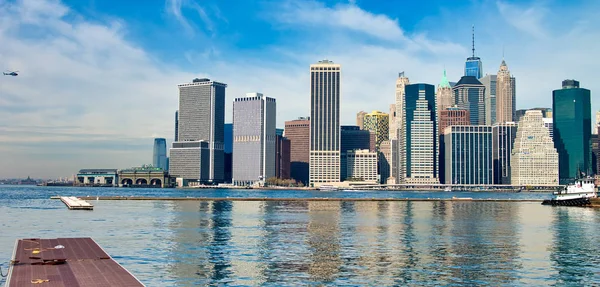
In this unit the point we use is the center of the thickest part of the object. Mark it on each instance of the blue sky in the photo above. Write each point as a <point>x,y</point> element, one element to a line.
<point>99,78</point>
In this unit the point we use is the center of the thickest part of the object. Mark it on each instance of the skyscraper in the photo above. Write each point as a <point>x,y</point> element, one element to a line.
<point>383,160</point>
<point>392,122</point>
<point>469,155</point>
<point>469,95</point>
<point>282,158</point>
<point>489,98</point>
<point>298,132</point>
<point>159,158</point>
<point>444,96</point>
<point>505,109</point>
<point>449,117</point>
<point>398,144</point>
<point>420,164</point>
<point>353,138</point>
<point>534,158</point>
<point>228,152</point>
<point>503,138</point>
<point>571,110</point>
<point>201,117</point>
<point>473,66</point>
<point>324,122</point>
<point>254,139</point>
<point>360,119</point>
<point>378,123</point>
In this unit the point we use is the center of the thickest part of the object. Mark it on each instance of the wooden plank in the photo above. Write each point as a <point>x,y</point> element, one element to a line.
<point>81,263</point>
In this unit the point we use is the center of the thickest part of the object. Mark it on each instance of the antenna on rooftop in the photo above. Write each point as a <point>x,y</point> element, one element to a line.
<point>473,39</point>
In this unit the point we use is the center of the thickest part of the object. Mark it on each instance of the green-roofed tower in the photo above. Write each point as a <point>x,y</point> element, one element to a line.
<point>444,95</point>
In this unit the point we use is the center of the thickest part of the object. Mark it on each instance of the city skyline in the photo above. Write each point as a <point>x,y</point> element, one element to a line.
<point>65,131</point>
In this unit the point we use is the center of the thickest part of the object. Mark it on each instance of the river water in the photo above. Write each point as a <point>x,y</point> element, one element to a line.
<point>274,243</point>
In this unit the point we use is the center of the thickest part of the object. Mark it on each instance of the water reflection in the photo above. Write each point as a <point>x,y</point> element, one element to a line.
<point>381,244</point>
<point>575,250</point>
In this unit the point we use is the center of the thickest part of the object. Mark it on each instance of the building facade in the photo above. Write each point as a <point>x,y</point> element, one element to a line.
<point>324,165</point>
<point>505,109</point>
<point>503,139</point>
<point>398,143</point>
<point>254,139</point>
<point>362,165</point>
<point>189,161</point>
<point>201,117</point>
<point>298,133</point>
<point>176,125</point>
<point>282,158</point>
<point>489,98</point>
<point>392,122</point>
<point>449,117</point>
<point>469,95</point>
<point>571,110</point>
<point>420,163</point>
<point>549,124</point>
<point>159,155</point>
<point>444,95</point>
<point>228,152</point>
<point>360,119</point>
<point>144,176</point>
<point>377,123</point>
<point>97,177</point>
<point>534,158</point>
<point>469,155</point>
<point>384,157</point>
<point>353,138</point>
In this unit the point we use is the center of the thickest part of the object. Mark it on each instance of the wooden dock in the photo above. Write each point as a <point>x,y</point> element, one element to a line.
<point>75,203</point>
<point>69,262</point>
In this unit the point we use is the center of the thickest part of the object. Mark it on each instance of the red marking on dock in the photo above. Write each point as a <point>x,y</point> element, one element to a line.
<point>81,263</point>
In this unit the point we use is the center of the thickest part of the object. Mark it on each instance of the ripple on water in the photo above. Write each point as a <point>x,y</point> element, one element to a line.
<point>322,243</point>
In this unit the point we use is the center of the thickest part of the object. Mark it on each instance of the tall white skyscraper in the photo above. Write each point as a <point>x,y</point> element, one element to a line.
<point>201,118</point>
<point>254,138</point>
<point>324,122</point>
<point>398,143</point>
<point>534,160</point>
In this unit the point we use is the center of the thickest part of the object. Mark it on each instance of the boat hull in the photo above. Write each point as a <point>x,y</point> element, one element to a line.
<point>568,202</point>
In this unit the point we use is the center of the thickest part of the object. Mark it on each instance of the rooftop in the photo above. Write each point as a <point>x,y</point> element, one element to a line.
<point>468,80</point>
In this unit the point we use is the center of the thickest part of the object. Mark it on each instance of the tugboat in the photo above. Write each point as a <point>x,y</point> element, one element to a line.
<point>576,194</point>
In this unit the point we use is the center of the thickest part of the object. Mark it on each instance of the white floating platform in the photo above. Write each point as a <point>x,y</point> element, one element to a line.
<point>76,203</point>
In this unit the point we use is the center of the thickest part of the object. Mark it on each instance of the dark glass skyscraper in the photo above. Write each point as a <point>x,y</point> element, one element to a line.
<point>473,66</point>
<point>159,157</point>
<point>469,94</point>
<point>571,110</point>
<point>420,134</point>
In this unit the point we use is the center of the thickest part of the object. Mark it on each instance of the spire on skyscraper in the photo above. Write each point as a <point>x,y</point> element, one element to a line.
<point>473,39</point>
<point>444,83</point>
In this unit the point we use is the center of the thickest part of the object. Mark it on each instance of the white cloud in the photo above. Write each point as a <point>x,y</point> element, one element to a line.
<point>175,8</point>
<point>348,16</point>
<point>82,76</point>
<point>526,19</point>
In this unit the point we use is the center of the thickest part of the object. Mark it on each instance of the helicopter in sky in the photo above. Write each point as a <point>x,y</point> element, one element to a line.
<point>11,73</point>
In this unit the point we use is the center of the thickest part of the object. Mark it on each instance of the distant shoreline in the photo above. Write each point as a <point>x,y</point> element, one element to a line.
<point>297,199</point>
